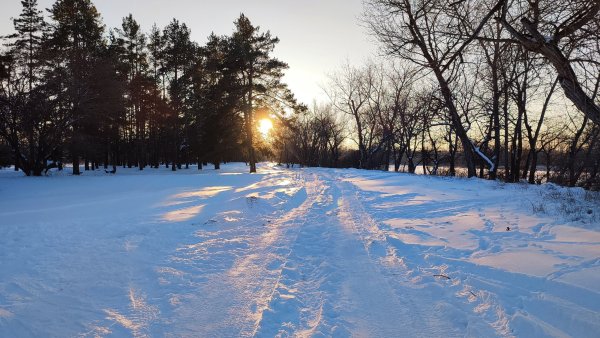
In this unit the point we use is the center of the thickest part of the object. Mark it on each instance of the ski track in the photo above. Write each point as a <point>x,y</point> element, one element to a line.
<point>294,253</point>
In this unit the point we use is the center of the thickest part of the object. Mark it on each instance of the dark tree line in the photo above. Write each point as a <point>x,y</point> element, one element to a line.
<point>71,92</point>
<point>502,89</point>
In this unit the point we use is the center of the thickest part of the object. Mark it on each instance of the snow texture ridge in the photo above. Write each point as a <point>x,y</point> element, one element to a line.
<point>295,253</point>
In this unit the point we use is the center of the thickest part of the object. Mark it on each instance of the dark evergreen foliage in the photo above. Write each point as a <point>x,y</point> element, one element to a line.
<point>70,92</point>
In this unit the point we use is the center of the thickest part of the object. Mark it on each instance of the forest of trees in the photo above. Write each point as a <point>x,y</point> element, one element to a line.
<point>499,89</point>
<point>71,92</point>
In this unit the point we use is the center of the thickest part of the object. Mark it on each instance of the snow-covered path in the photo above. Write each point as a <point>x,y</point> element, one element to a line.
<point>329,285</point>
<point>309,273</point>
<point>310,252</point>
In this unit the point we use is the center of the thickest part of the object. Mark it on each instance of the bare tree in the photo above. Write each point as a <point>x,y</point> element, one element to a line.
<point>397,89</point>
<point>567,35</point>
<point>431,34</point>
<point>350,91</point>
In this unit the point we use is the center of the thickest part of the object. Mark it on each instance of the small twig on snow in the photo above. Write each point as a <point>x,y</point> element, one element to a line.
<point>444,276</point>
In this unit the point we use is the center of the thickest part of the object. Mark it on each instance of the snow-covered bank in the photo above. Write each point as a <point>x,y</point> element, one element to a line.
<point>525,258</point>
<point>304,252</point>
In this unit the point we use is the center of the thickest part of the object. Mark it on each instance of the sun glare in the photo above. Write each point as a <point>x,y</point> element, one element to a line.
<point>265,126</point>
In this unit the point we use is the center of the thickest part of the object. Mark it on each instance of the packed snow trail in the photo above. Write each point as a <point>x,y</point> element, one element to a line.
<point>308,273</point>
<point>328,284</point>
<point>301,252</point>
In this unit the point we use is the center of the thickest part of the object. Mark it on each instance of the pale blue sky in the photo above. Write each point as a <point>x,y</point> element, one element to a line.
<point>317,36</point>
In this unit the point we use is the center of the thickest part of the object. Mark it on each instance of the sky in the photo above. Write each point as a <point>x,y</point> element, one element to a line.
<point>317,36</point>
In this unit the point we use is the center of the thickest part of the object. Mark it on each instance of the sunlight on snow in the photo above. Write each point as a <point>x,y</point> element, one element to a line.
<point>265,183</point>
<point>181,215</point>
<point>141,315</point>
<point>122,320</point>
<point>231,216</point>
<point>204,193</point>
<point>186,197</point>
<point>5,313</point>
<point>185,214</point>
<point>527,261</point>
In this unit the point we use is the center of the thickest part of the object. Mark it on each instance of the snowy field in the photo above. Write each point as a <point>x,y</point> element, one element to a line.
<point>300,252</point>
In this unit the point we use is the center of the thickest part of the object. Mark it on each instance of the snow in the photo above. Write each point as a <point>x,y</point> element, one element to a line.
<point>294,252</point>
<point>491,165</point>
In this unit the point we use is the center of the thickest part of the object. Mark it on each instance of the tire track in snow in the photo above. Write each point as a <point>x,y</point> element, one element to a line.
<point>228,274</point>
<point>331,286</point>
<point>406,272</point>
<point>255,276</point>
<point>296,306</point>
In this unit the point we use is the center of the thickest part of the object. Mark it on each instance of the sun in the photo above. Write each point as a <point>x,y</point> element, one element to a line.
<point>264,127</point>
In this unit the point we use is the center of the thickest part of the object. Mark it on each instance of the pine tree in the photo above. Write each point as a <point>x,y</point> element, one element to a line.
<point>156,46</point>
<point>259,72</point>
<point>157,94</point>
<point>178,60</point>
<point>130,42</point>
<point>105,112</point>
<point>132,46</point>
<point>218,94</point>
<point>28,120</point>
<point>76,39</point>
<point>24,50</point>
<point>27,41</point>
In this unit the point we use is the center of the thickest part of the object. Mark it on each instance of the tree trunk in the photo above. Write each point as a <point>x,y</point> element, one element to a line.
<point>548,47</point>
<point>533,169</point>
<point>250,123</point>
<point>533,140</point>
<point>17,157</point>
<point>496,126</point>
<point>461,133</point>
<point>75,159</point>
<point>507,173</point>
